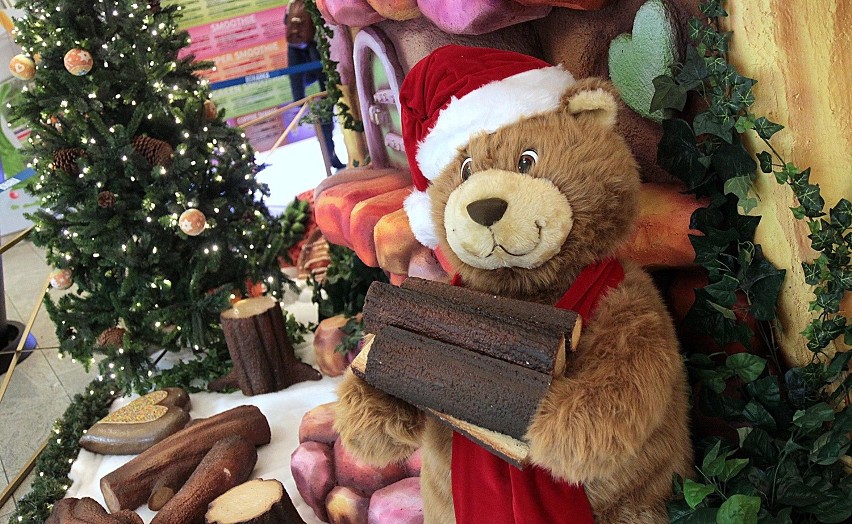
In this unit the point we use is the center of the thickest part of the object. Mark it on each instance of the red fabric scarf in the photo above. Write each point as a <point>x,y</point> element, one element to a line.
<point>487,489</point>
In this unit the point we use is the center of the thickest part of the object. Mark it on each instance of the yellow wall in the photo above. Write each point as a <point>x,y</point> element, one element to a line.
<point>800,52</point>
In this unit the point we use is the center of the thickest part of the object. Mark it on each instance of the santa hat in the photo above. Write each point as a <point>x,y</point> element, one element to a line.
<point>457,92</point>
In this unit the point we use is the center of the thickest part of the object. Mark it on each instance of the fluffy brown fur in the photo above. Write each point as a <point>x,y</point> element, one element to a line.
<point>617,420</point>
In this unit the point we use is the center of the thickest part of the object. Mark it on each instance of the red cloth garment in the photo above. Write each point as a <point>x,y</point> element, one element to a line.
<point>486,489</point>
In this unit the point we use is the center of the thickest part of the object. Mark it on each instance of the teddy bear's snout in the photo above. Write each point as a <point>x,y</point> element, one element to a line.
<point>487,211</point>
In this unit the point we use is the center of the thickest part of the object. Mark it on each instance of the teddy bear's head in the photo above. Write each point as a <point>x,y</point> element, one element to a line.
<point>524,207</point>
<point>522,178</point>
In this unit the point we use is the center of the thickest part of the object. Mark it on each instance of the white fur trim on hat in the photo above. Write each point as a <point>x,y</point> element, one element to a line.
<point>418,207</point>
<point>487,109</point>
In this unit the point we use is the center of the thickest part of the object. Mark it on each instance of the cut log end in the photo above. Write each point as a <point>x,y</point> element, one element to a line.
<point>257,501</point>
<point>249,307</point>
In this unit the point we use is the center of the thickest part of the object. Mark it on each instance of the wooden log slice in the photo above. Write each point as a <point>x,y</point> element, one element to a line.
<point>257,501</point>
<point>264,360</point>
<point>522,333</point>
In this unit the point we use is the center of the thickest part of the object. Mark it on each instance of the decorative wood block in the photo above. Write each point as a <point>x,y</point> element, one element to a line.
<point>158,472</point>
<point>140,424</point>
<point>661,237</point>
<point>257,501</point>
<point>477,17</point>
<point>364,217</point>
<point>228,463</point>
<point>354,13</point>
<point>264,360</point>
<point>395,243</point>
<point>334,205</point>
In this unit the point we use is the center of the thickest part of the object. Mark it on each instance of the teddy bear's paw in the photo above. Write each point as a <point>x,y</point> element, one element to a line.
<point>376,427</point>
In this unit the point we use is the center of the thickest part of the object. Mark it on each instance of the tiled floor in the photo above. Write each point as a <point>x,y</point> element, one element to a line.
<point>42,385</point>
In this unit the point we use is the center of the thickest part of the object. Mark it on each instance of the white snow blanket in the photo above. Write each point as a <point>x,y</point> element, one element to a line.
<point>284,410</point>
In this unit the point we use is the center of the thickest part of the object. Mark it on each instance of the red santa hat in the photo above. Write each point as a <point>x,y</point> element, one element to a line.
<point>457,92</point>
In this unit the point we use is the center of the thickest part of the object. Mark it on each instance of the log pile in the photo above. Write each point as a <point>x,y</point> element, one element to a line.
<point>478,362</point>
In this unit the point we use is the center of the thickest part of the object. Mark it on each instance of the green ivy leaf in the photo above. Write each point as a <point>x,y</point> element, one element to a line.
<point>811,200</point>
<point>739,509</point>
<point>796,493</point>
<point>740,187</point>
<point>829,447</point>
<point>835,506</point>
<point>765,128</point>
<point>707,123</point>
<point>694,70</point>
<point>744,123</point>
<point>712,464</point>
<point>765,160</point>
<point>694,493</point>
<point>814,417</point>
<point>838,365</point>
<point>746,365</point>
<point>755,413</point>
<point>766,390</point>
<point>678,154</point>
<point>732,468</point>
<point>798,212</point>
<point>668,94</point>
<point>841,214</point>
<point>713,9</point>
<point>732,160</point>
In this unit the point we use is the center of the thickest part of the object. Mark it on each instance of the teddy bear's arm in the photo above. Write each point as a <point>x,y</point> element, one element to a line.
<point>376,427</point>
<point>617,391</point>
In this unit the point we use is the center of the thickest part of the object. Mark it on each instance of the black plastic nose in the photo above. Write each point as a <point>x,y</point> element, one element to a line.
<point>487,211</point>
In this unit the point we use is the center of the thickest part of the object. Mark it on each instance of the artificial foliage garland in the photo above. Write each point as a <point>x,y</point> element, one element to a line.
<point>791,425</point>
<point>324,109</point>
<point>51,470</point>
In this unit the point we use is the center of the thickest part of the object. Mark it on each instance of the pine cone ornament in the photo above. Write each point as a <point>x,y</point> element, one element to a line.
<point>154,6</point>
<point>106,199</point>
<point>210,110</point>
<point>66,160</point>
<point>156,152</point>
<point>111,337</point>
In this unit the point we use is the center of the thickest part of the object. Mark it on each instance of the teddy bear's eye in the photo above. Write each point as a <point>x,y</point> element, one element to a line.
<point>466,168</point>
<point>527,160</point>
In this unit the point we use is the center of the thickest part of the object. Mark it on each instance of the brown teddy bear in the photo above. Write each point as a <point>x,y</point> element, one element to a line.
<point>525,186</point>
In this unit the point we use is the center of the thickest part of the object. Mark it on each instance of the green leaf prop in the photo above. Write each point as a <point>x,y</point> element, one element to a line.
<point>694,492</point>
<point>739,509</point>
<point>637,59</point>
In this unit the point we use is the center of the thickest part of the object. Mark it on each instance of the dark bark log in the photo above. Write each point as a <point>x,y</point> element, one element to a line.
<point>229,463</point>
<point>264,360</point>
<point>523,333</point>
<point>257,501</point>
<point>88,511</point>
<point>167,464</point>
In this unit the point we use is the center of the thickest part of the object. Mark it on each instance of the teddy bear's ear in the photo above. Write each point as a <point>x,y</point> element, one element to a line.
<point>593,98</point>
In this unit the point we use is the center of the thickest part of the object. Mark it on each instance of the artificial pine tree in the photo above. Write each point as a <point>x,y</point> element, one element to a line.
<point>148,198</point>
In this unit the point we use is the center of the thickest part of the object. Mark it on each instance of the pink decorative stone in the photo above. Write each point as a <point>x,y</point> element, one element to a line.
<point>346,506</point>
<point>424,264</point>
<point>399,503</point>
<point>413,463</point>
<point>396,9</point>
<point>326,338</point>
<point>312,466</point>
<point>354,13</point>
<point>355,474</point>
<point>584,5</point>
<point>317,424</point>
<point>476,17</point>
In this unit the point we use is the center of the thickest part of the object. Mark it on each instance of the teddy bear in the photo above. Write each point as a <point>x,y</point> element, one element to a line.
<point>525,187</point>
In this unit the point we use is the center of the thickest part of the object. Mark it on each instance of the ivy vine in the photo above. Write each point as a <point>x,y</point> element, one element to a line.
<point>324,109</point>
<point>783,430</point>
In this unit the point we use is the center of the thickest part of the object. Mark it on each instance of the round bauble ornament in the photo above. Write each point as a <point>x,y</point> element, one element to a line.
<point>61,278</point>
<point>22,67</point>
<point>192,222</point>
<point>14,195</point>
<point>78,62</point>
<point>106,199</point>
<point>210,110</point>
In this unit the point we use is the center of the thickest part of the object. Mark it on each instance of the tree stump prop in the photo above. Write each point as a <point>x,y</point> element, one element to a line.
<point>229,463</point>
<point>264,360</point>
<point>257,501</point>
<point>158,473</point>
<point>478,362</point>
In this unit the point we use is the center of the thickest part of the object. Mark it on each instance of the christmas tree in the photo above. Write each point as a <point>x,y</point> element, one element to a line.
<point>149,200</point>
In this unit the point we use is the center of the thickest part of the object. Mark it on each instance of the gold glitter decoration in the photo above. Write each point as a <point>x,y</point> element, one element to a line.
<point>141,410</point>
